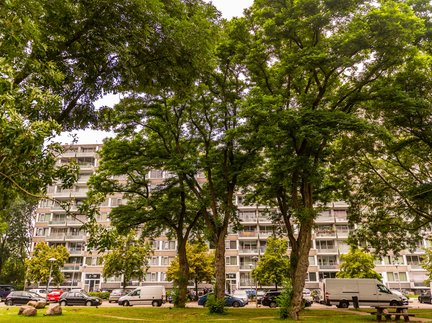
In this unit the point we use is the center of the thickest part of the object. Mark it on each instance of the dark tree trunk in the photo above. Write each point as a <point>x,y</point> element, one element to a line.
<point>183,278</point>
<point>220,267</point>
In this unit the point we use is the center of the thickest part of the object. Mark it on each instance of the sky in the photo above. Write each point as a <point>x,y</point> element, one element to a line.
<point>228,8</point>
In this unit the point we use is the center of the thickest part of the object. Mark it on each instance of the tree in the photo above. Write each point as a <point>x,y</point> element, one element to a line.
<point>357,264</point>
<point>273,266</point>
<point>426,264</point>
<point>128,258</point>
<point>201,264</point>
<point>313,64</point>
<point>39,266</point>
<point>395,171</point>
<point>162,146</point>
<point>15,236</point>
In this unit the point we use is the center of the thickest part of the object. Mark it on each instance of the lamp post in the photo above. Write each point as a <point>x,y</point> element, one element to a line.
<point>398,274</point>
<point>51,260</point>
<point>255,259</point>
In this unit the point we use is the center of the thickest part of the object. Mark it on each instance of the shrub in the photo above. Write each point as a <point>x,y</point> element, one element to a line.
<point>102,295</point>
<point>284,300</point>
<point>214,305</point>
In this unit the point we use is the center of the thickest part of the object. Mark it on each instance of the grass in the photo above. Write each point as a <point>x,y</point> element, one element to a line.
<point>188,315</point>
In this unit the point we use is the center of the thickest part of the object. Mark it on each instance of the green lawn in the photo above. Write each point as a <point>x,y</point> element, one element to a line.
<point>188,315</point>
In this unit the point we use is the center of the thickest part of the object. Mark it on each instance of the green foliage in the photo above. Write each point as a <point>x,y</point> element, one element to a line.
<point>128,257</point>
<point>284,300</point>
<point>427,264</point>
<point>200,261</point>
<point>38,266</point>
<point>273,266</point>
<point>215,306</point>
<point>101,295</point>
<point>357,264</point>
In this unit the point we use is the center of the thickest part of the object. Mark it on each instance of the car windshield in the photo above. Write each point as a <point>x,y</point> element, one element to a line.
<point>33,294</point>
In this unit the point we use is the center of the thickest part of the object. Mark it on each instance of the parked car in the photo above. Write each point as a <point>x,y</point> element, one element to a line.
<point>5,290</point>
<point>116,294</point>
<point>270,299</point>
<point>242,294</point>
<point>229,300</point>
<point>260,296</point>
<point>22,297</point>
<point>79,298</point>
<point>39,291</point>
<point>425,297</point>
<point>404,299</point>
<point>144,295</point>
<point>54,295</point>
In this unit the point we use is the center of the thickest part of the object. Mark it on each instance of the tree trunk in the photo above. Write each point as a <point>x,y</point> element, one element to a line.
<point>183,278</point>
<point>220,267</point>
<point>196,290</point>
<point>300,254</point>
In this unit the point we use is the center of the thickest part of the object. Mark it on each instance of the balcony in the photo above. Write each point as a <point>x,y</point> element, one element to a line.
<point>248,234</point>
<point>328,250</point>
<point>248,251</point>
<point>56,237</point>
<point>73,237</point>
<point>328,266</point>
<point>71,267</point>
<point>325,234</point>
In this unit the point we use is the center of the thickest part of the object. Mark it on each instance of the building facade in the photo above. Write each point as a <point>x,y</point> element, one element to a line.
<point>243,248</point>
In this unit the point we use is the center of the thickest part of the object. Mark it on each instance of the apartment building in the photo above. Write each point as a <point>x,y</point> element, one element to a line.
<point>243,248</point>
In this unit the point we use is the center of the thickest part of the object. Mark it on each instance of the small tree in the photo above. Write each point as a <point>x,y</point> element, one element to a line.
<point>273,267</point>
<point>201,264</point>
<point>39,267</point>
<point>358,264</point>
<point>426,264</point>
<point>128,258</point>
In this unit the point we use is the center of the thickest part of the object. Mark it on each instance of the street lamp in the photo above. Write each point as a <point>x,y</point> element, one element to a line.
<point>51,260</point>
<point>255,259</point>
<point>398,274</point>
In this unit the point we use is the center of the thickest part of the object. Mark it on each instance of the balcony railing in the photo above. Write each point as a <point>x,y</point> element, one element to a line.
<point>245,234</point>
<point>328,266</point>
<point>248,250</point>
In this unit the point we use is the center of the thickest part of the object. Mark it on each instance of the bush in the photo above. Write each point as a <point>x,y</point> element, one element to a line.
<point>284,300</point>
<point>215,306</point>
<point>102,295</point>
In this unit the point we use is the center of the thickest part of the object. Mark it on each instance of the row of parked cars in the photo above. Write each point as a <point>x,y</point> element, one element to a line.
<point>74,297</point>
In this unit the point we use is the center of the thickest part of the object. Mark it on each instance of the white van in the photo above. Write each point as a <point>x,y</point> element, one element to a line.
<point>144,295</point>
<point>369,292</point>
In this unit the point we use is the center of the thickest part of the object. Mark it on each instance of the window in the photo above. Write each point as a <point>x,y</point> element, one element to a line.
<point>156,174</point>
<point>166,261</point>
<point>154,261</point>
<point>163,277</point>
<point>413,260</point>
<point>230,244</point>
<point>231,261</point>
<point>43,217</point>
<point>401,276</point>
<point>155,245</point>
<point>151,277</point>
<point>325,244</point>
<point>168,245</point>
<point>312,261</point>
<point>41,232</point>
<point>312,277</point>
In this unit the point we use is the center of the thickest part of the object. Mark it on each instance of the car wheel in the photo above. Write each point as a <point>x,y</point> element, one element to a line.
<point>125,303</point>
<point>9,302</point>
<point>343,304</point>
<point>88,303</point>
<point>236,304</point>
<point>63,303</point>
<point>155,303</point>
<point>394,303</point>
<point>273,304</point>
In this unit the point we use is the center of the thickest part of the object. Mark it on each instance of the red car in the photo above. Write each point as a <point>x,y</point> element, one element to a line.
<point>54,295</point>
